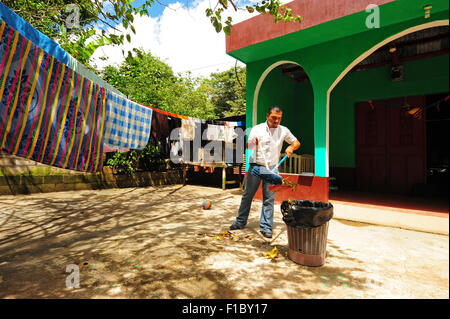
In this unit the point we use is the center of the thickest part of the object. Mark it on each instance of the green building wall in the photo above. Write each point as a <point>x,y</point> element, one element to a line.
<point>297,101</point>
<point>327,52</point>
<point>422,77</point>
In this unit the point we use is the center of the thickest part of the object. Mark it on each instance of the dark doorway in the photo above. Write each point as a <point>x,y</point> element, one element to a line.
<point>390,145</point>
<point>437,123</point>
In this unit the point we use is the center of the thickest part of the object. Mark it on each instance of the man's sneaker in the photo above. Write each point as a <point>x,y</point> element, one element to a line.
<point>234,227</point>
<point>267,234</point>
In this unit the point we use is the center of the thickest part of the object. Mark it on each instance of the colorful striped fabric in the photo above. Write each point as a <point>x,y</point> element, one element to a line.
<point>48,45</point>
<point>50,113</point>
<point>127,123</point>
<point>25,29</point>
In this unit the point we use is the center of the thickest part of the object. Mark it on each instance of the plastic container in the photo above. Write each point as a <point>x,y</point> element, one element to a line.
<point>307,227</point>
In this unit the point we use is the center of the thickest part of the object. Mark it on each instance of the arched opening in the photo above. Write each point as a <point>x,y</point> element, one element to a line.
<point>389,116</point>
<point>286,84</point>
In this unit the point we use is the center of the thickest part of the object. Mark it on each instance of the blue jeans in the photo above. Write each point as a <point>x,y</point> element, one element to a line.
<point>251,186</point>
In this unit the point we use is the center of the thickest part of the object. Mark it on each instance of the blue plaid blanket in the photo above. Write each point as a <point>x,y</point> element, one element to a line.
<point>127,123</point>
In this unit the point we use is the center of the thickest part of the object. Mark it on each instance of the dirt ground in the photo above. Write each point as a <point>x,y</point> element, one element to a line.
<point>158,242</point>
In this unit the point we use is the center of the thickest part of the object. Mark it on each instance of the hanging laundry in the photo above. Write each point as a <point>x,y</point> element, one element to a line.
<point>160,132</point>
<point>176,147</point>
<point>51,47</point>
<point>127,123</point>
<point>174,124</point>
<point>203,132</point>
<point>229,133</point>
<point>25,29</point>
<point>215,132</point>
<point>51,114</point>
<point>197,142</point>
<point>188,128</point>
<point>84,71</point>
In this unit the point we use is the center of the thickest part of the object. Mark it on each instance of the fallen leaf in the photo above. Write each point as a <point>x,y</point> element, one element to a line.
<point>227,235</point>
<point>272,254</point>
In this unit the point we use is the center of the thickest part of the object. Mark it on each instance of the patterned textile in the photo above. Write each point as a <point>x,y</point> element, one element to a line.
<point>50,114</point>
<point>25,29</point>
<point>128,124</point>
<point>49,46</point>
<point>83,71</point>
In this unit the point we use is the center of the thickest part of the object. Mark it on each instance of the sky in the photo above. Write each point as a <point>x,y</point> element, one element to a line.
<point>180,34</point>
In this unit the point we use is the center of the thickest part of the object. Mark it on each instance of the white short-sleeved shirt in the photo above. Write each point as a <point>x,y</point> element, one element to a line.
<point>270,142</point>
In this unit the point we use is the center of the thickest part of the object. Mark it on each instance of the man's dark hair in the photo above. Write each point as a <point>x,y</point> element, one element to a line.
<point>274,108</point>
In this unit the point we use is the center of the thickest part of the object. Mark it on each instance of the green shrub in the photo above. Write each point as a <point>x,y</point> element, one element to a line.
<point>148,159</point>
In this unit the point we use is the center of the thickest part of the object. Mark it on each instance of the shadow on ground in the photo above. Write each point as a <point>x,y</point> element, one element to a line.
<point>156,242</point>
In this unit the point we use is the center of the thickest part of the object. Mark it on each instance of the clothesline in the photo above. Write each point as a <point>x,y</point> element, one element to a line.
<point>51,47</point>
<point>60,117</point>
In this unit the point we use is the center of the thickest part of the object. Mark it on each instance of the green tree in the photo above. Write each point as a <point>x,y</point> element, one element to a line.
<point>146,79</point>
<point>149,81</point>
<point>80,49</point>
<point>275,8</point>
<point>227,91</point>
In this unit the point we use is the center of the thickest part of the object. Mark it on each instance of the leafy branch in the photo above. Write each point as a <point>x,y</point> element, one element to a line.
<point>275,8</point>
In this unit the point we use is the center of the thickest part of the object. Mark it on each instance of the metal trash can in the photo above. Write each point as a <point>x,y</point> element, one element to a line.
<point>307,227</point>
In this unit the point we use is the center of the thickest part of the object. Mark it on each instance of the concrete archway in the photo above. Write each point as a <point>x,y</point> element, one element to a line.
<point>258,87</point>
<point>357,88</point>
<point>364,55</point>
<point>360,58</point>
<point>288,85</point>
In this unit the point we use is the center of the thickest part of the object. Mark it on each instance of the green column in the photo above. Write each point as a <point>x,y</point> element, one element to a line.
<point>321,132</point>
<point>253,74</point>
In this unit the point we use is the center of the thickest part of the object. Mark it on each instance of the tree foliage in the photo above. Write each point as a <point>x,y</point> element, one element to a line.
<point>148,159</point>
<point>227,91</point>
<point>73,22</point>
<point>275,8</point>
<point>146,79</point>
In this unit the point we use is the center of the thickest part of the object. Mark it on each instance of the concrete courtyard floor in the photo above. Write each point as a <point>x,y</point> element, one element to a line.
<point>157,242</point>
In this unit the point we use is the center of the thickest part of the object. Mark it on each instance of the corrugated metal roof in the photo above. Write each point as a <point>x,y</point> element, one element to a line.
<point>423,42</point>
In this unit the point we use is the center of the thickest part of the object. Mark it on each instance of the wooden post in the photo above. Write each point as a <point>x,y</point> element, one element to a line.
<point>243,182</point>
<point>224,177</point>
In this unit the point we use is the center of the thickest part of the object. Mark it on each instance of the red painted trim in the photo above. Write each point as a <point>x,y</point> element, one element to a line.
<point>308,188</point>
<point>314,12</point>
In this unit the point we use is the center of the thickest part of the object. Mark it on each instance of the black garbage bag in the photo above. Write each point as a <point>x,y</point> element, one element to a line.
<point>306,213</point>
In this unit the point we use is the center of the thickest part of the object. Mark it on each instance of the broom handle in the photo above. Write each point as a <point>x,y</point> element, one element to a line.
<point>284,158</point>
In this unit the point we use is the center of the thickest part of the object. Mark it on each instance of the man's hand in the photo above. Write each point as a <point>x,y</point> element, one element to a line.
<point>289,151</point>
<point>291,148</point>
<point>253,143</point>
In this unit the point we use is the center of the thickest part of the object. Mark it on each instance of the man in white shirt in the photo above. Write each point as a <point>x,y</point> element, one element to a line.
<point>266,140</point>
